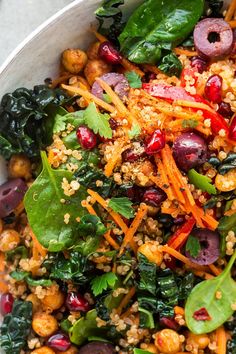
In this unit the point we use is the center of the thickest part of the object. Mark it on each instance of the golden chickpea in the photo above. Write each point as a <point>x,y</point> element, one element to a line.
<point>94,69</point>
<point>44,324</point>
<point>9,239</point>
<point>167,341</point>
<point>92,51</point>
<point>151,252</point>
<point>19,167</point>
<point>35,302</point>
<point>74,60</point>
<point>43,350</point>
<point>71,350</point>
<point>55,301</point>
<point>151,348</point>
<point>227,182</point>
<point>199,341</point>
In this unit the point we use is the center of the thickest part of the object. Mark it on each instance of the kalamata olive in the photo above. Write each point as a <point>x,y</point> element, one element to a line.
<point>11,194</point>
<point>117,81</point>
<point>154,196</point>
<point>199,63</point>
<point>210,246</point>
<point>189,151</point>
<point>97,348</point>
<point>213,38</point>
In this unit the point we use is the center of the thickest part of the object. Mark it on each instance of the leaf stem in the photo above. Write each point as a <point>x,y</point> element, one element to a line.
<point>231,262</point>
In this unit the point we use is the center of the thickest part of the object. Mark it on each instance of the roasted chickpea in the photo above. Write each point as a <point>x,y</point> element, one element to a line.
<point>168,341</point>
<point>92,51</point>
<point>9,239</point>
<point>71,350</point>
<point>35,302</point>
<point>54,302</point>
<point>43,350</point>
<point>74,60</point>
<point>151,252</point>
<point>19,167</point>
<point>199,341</point>
<point>44,324</point>
<point>96,68</point>
<point>227,182</point>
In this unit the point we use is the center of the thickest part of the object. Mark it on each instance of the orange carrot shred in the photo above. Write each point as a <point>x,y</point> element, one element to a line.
<point>230,11</point>
<point>2,262</point>
<point>124,302</point>
<point>37,247</point>
<point>3,287</point>
<point>221,340</point>
<point>216,271</point>
<point>110,240</point>
<point>188,53</point>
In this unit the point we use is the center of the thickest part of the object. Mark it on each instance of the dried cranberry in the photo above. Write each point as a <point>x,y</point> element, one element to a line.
<point>202,315</point>
<point>213,89</point>
<point>113,123</point>
<point>232,129</point>
<point>76,302</point>
<point>86,138</point>
<point>199,63</point>
<point>107,52</point>
<point>59,341</point>
<point>169,323</point>
<point>154,196</point>
<point>155,143</point>
<point>225,110</point>
<point>6,303</point>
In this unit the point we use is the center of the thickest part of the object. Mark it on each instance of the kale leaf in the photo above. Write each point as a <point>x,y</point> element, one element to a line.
<point>16,327</point>
<point>171,65</point>
<point>215,6</point>
<point>22,118</point>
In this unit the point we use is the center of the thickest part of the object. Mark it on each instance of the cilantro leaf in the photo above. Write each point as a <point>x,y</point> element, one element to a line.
<point>202,182</point>
<point>134,131</point>
<point>63,118</point>
<point>98,122</point>
<point>134,79</point>
<point>122,206</point>
<point>102,282</point>
<point>193,246</point>
<point>189,123</point>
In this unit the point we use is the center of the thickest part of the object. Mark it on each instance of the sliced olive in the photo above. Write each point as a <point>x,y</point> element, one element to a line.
<point>11,194</point>
<point>97,348</point>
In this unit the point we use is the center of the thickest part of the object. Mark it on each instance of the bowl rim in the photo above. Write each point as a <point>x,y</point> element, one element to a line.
<point>40,29</point>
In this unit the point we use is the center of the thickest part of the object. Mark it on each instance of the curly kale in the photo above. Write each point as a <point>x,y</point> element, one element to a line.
<point>215,6</point>
<point>22,118</point>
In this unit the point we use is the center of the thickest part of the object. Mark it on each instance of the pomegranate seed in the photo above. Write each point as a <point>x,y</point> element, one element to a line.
<point>154,196</point>
<point>6,303</point>
<point>107,52</point>
<point>225,110</point>
<point>199,64</point>
<point>59,341</point>
<point>76,302</point>
<point>131,155</point>
<point>232,129</point>
<point>169,322</point>
<point>213,89</point>
<point>155,143</point>
<point>86,138</point>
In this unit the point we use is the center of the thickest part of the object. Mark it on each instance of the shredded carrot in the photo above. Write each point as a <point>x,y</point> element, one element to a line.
<point>202,274</point>
<point>164,178</point>
<point>110,240</point>
<point>232,24</point>
<point>154,69</point>
<point>216,271</point>
<point>2,261</point>
<point>124,302</point>
<point>3,287</point>
<point>114,268</point>
<point>89,96</point>
<point>221,340</point>
<point>230,12</point>
<point>179,310</point>
<point>191,104</point>
<point>37,247</point>
<point>114,160</point>
<point>229,212</point>
<point>134,227</point>
<point>89,208</point>
<point>188,53</point>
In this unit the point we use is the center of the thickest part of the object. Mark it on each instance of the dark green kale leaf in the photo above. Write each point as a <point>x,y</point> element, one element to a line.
<point>167,287</point>
<point>171,65</point>
<point>215,6</point>
<point>231,326</point>
<point>22,117</point>
<point>148,275</point>
<point>16,327</point>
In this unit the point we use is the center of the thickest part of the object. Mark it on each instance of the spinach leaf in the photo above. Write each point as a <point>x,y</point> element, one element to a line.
<point>102,282</point>
<point>46,211</point>
<point>77,268</point>
<point>158,25</point>
<point>202,182</point>
<point>171,65</point>
<point>22,118</point>
<point>203,296</point>
<point>106,303</point>
<point>16,327</point>
<point>122,206</point>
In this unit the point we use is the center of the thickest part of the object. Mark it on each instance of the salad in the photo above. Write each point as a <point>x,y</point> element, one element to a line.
<point>118,220</point>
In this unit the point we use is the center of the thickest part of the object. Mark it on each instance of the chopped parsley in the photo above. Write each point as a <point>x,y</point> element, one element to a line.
<point>122,206</point>
<point>193,246</point>
<point>102,282</point>
<point>134,79</point>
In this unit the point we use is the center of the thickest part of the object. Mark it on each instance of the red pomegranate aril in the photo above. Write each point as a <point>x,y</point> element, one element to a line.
<point>155,143</point>
<point>232,129</point>
<point>213,89</point>
<point>6,303</point>
<point>169,323</point>
<point>224,110</point>
<point>59,341</point>
<point>107,52</point>
<point>86,138</point>
<point>199,63</point>
<point>76,302</point>
<point>154,196</point>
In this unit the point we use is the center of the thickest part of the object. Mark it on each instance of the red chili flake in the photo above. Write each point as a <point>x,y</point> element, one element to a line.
<point>202,315</point>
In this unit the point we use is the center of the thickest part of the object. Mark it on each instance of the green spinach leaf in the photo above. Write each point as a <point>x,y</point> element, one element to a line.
<point>158,25</point>
<point>203,296</point>
<point>16,327</point>
<point>226,224</point>
<point>122,206</point>
<point>202,182</point>
<point>171,65</point>
<point>46,211</point>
